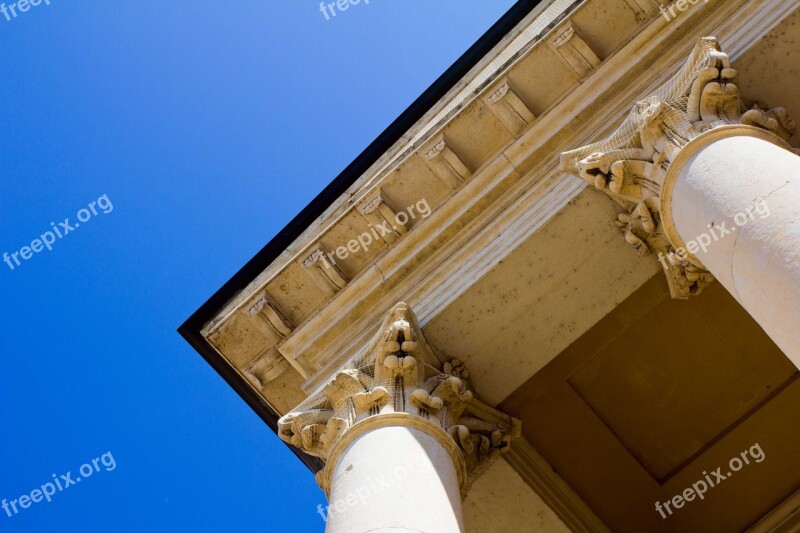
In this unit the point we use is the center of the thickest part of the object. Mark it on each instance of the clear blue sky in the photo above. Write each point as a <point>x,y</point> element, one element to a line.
<point>208,126</point>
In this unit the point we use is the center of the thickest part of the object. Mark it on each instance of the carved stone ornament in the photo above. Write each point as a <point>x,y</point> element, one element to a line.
<point>575,51</point>
<point>446,163</point>
<point>266,308</point>
<point>378,212</point>
<point>400,373</point>
<point>631,165</point>
<point>267,367</point>
<point>507,106</point>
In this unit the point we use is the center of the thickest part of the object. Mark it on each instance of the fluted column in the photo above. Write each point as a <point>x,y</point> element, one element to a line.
<point>712,188</point>
<point>401,433</point>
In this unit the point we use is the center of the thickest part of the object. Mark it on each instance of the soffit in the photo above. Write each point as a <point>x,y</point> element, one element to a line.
<point>658,392</point>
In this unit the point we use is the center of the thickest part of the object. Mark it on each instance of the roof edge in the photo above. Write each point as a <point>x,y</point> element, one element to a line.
<point>190,330</point>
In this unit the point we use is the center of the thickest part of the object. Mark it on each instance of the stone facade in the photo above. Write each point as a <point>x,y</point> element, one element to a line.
<point>497,218</point>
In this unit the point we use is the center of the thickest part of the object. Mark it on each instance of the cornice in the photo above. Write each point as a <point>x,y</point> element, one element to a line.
<point>532,31</point>
<point>510,197</point>
<point>533,200</point>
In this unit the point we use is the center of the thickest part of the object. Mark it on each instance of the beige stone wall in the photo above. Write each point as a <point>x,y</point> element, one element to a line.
<point>501,501</point>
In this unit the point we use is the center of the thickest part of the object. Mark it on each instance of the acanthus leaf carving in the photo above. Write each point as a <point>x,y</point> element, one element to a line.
<point>630,166</point>
<point>399,372</point>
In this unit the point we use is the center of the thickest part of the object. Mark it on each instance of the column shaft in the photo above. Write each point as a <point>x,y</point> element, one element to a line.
<point>752,187</point>
<point>395,479</point>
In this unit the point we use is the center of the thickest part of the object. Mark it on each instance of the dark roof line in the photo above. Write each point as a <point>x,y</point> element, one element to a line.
<point>190,330</point>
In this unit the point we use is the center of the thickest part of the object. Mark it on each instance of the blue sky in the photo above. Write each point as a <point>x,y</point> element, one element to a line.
<point>207,126</point>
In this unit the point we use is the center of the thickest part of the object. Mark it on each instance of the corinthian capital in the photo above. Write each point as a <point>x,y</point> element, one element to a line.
<point>399,372</point>
<point>631,165</point>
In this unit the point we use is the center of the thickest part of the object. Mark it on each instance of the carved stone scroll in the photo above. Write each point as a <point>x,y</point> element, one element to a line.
<point>325,273</point>
<point>266,308</point>
<point>631,165</point>
<point>575,51</point>
<point>379,213</point>
<point>400,373</point>
<point>266,367</point>
<point>509,108</point>
<point>446,164</point>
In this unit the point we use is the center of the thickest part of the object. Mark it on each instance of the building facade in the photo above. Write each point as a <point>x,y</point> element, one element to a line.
<point>560,293</point>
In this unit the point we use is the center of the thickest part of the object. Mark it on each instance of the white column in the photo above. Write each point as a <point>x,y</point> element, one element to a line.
<point>738,191</point>
<point>401,433</point>
<point>396,478</point>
